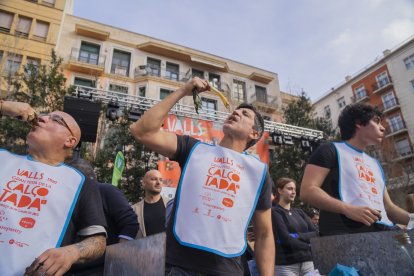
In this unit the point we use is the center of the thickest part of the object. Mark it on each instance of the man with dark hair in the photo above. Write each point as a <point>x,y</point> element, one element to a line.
<point>52,215</point>
<point>346,184</point>
<point>220,190</point>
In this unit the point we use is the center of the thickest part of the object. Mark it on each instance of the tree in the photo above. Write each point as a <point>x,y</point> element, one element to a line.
<point>43,87</point>
<point>290,160</point>
<point>137,159</point>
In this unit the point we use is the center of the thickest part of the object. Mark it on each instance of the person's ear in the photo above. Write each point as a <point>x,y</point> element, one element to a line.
<point>71,142</point>
<point>254,134</point>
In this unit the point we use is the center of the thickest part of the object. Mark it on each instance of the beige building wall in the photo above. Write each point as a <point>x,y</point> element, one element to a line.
<point>31,34</point>
<point>403,79</point>
<point>76,31</point>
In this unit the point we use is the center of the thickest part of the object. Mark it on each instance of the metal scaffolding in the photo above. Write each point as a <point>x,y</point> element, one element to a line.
<point>144,103</point>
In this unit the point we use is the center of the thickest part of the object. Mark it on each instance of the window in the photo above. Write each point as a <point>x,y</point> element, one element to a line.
<point>261,95</point>
<point>360,93</point>
<point>41,30</point>
<point>327,111</point>
<point>154,66</point>
<point>6,20</point>
<point>403,147</point>
<point>50,3</point>
<point>164,93</point>
<point>396,123</point>
<point>31,64</point>
<point>172,71</point>
<point>84,82</point>
<point>120,63</point>
<point>389,100</point>
<point>239,88</point>
<point>197,73</point>
<point>341,102</point>
<point>208,104</point>
<point>412,83</point>
<point>13,63</point>
<point>142,91</point>
<point>409,62</point>
<point>23,26</point>
<point>382,79</point>
<point>89,53</point>
<point>1,56</point>
<point>214,79</point>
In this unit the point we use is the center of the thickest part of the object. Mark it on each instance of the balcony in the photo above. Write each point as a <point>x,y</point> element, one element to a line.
<point>90,64</point>
<point>404,153</point>
<point>390,105</point>
<point>360,97</point>
<point>154,71</point>
<point>395,129</point>
<point>382,86</point>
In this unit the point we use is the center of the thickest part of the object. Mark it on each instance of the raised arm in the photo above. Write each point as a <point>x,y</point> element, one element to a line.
<point>312,193</point>
<point>147,129</point>
<point>22,111</point>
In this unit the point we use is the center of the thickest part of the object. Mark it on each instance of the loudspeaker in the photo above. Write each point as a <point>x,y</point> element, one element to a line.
<point>86,113</point>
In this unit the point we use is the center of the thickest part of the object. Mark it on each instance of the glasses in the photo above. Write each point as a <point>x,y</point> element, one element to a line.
<point>58,119</point>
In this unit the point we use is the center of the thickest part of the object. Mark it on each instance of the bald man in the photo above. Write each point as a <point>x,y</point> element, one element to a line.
<point>51,216</point>
<point>151,210</point>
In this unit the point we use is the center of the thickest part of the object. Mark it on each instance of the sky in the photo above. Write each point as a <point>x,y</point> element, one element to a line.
<point>311,44</point>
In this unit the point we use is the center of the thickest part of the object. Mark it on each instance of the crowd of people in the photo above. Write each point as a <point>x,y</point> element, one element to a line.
<point>55,217</point>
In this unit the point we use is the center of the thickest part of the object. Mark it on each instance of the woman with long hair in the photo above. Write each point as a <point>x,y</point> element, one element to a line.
<point>292,229</point>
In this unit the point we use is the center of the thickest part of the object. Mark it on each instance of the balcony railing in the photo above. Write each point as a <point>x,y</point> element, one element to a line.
<point>120,70</point>
<point>404,152</point>
<point>361,96</point>
<point>92,59</point>
<point>148,70</point>
<point>384,83</point>
<point>390,104</point>
<point>395,128</point>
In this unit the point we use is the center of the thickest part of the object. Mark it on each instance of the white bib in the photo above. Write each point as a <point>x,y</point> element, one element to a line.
<point>216,198</point>
<point>361,180</point>
<point>36,204</point>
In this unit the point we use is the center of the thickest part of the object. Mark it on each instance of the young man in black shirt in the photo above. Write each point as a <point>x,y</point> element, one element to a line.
<point>347,184</point>
<point>151,209</point>
<point>220,190</point>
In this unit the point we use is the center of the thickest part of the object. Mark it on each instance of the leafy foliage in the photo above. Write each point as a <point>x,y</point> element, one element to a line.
<point>137,159</point>
<point>43,87</point>
<point>290,160</point>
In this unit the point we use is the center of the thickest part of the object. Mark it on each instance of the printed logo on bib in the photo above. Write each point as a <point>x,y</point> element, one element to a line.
<point>224,177</point>
<point>26,191</point>
<point>367,180</point>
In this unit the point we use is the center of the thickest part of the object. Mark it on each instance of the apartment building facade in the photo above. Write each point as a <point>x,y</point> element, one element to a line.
<point>115,60</point>
<point>29,30</point>
<point>389,84</point>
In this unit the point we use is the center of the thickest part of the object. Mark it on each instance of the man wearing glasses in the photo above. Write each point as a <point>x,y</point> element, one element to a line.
<point>51,216</point>
<point>346,184</point>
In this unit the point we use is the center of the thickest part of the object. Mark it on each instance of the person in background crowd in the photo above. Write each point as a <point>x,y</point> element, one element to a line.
<point>121,219</point>
<point>207,232</point>
<point>314,216</point>
<point>151,209</point>
<point>292,229</point>
<point>348,185</point>
<point>54,214</point>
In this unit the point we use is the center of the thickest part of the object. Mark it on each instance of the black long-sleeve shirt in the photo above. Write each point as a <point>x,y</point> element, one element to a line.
<point>121,219</point>
<point>291,250</point>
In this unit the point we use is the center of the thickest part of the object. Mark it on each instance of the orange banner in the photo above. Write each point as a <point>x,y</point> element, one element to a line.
<point>207,132</point>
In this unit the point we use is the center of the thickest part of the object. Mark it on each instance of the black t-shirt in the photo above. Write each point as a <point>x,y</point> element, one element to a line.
<point>200,260</point>
<point>88,211</point>
<point>291,250</point>
<point>154,217</point>
<point>333,223</point>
